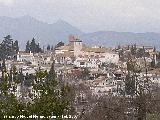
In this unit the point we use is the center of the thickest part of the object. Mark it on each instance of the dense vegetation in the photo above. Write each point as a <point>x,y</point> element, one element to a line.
<point>48,99</point>
<point>33,47</point>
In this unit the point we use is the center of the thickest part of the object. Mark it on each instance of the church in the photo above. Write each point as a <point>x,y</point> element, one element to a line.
<point>82,55</point>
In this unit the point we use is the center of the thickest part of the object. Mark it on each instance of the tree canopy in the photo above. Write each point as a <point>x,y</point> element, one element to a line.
<point>48,99</point>
<point>8,48</point>
<point>33,46</point>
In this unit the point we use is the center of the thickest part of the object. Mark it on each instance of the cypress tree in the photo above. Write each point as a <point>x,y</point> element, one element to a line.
<point>28,47</point>
<point>48,47</point>
<point>16,46</point>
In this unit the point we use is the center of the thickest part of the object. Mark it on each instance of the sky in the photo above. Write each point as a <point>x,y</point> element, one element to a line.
<point>90,15</point>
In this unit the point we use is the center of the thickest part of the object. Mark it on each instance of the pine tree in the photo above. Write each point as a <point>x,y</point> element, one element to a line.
<point>7,48</point>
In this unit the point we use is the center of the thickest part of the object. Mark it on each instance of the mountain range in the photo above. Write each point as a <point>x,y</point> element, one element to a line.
<point>25,28</point>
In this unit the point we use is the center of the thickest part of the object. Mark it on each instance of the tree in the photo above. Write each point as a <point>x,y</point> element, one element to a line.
<point>140,52</point>
<point>52,48</point>
<point>133,49</point>
<point>48,47</point>
<point>158,56</point>
<point>143,90</point>
<point>85,74</point>
<point>119,47</point>
<point>16,46</point>
<point>158,65</point>
<point>33,47</point>
<point>80,96</point>
<point>59,44</point>
<point>50,97</point>
<point>108,108</point>
<point>154,49</point>
<point>8,48</point>
<point>28,47</point>
<point>51,75</point>
<point>9,105</point>
<point>129,85</point>
<point>121,54</point>
<point>153,64</point>
<point>3,69</point>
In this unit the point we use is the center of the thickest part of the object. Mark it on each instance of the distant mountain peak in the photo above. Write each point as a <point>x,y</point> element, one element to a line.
<point>26,27</point>
<point>27,17</point>
<point>62,22</point>
<point>67,26</point>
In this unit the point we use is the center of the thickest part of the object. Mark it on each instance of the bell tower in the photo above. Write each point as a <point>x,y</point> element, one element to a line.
<point>77,45</point>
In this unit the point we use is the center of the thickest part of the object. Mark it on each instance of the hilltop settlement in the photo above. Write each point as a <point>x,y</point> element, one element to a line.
<point>118,71</point>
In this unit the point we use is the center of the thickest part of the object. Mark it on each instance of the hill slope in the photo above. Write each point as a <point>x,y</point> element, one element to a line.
<point>26,27</point>
<point>111,38</point>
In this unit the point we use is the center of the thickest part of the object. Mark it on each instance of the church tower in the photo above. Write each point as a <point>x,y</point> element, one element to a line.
<point>77,45</point>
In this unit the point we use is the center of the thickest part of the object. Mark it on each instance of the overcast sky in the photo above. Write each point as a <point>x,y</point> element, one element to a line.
<point>90,15</point>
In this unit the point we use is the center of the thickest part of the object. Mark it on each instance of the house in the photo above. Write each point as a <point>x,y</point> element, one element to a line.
<point>25,57</point>
<point>64,58</point>
<point>87,61</point>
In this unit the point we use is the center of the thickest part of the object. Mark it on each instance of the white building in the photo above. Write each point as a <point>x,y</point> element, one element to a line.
<point>25,57</point>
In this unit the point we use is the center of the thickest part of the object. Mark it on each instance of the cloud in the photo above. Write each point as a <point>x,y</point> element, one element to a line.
<point>7,2</point>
